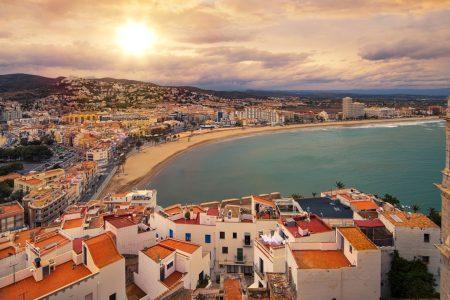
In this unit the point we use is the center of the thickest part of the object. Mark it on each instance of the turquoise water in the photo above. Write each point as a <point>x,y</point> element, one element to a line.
<point>400,159</point>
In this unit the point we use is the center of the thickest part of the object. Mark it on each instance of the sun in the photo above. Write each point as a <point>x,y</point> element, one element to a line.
<point>135,38</point>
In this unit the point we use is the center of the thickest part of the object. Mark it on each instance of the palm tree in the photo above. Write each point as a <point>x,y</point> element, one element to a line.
<point>340,185</point>
<point>314,194</point>
<point>297,196</point>
<point>415,208</point>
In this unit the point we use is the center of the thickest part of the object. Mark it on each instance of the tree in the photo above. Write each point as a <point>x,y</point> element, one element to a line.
<point>415,208</point>
<point>340,185</point>
<point>410,279</point>
<point>391,199</point>
<point>314,194</point>
<point>434,216</point>
<point>187,215</point>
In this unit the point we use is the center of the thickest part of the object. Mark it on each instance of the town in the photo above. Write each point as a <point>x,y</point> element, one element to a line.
<point>63,236</point>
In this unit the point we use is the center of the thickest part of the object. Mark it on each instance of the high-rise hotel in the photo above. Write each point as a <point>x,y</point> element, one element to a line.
<point>444,247</point>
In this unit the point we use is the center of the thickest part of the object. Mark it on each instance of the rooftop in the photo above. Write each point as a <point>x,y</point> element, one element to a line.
<point>29,288</point>
<point>172,279</point>
<point>158,252</point>
<point>364,205</point>
<point>232,289</point>
<point>9,209</point>
<point>47,241</point>
<point>313,225</point>
<point>263,201</point>
<point>357,238</point>
<point>120,222</point>
<point>74,223</point>
<point>369,223</point>
<point>6,252</point>
<point>326,208</point>
<point>180,245</point>
<point>320,259</point>
<point>103,250</point>
<point>412,220</point>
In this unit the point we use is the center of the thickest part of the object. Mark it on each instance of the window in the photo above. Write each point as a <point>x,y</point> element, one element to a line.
<point>234,235</point>
<point>170,265</point>
<point>247,240</point>
<point>426,238</point>
<point>84,255</point>
<point>350,248</point>
<point>170,233</point>
<point>187,237</point>
<point>232,269</point>
<point>112,296</point>
<point>207,238</point>
<point>225,250</point>
<point>425,259</point>
<point>261,266</point>
<point>222,235</point>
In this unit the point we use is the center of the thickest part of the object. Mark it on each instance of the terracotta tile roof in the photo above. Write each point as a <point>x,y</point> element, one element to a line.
<point>357,238</point>
<point>364,205</point>
<point>120,222</point>
<point>103,250</point>
<point>264,201</point>
<point>74,223</point>
<point>158,252</point>
<point>10,176</point>
<point>28,289</point>
<point>172,279</point>
<point>180,245</point>
<point>51,241</point>
<point>413,220</point>
<point>6,252</point>
<point>232,289</point>
<point>10,209</point>
<point>373,223</point>
<point>320,259</point>
<point>21,237</point>
<point>32,181</point>
<point>213,211</point>
<point>173,210</point>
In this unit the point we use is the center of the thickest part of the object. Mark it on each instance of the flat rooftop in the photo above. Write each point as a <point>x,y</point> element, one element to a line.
<point>28,288</point>
<point>320,259</point>
<point>325,208</point>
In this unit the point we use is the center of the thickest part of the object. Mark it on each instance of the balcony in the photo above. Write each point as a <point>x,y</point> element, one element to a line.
<point>239,259</point>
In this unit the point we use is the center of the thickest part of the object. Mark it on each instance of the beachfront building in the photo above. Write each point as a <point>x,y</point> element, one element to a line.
<point>380,112</point>
<point>444,244</point>
<point>254,114</point>
<point>34,181</point>
<point>352,110</point>
<point>145,198</point>
<point>11,216</point>
<point>171,265</point>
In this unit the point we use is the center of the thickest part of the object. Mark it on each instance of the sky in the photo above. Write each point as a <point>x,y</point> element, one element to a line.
<point>234,44</point>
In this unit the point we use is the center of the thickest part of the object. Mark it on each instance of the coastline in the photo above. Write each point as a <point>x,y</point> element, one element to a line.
<point>142,166</point>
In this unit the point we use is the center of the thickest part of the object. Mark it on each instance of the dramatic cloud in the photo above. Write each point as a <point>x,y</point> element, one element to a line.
<point>233,44</point>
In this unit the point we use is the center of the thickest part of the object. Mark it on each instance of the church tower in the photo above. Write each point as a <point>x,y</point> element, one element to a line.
<point>444,247</point>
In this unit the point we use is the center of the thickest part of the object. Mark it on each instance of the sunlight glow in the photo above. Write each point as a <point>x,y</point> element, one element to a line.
<point>135,38</point>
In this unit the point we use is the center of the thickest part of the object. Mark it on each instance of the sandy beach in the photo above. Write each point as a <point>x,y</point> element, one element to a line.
<point>141,166</point>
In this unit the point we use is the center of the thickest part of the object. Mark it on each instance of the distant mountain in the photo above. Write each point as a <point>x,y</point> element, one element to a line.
<point>26,87</point>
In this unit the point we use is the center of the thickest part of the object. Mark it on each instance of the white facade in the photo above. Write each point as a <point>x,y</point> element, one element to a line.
<point>352,110</point>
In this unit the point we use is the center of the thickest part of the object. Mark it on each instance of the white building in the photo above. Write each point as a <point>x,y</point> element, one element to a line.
<point>415,237</point>
<point>352,110</point>
<point>380,112</point>
<point>169,266</point>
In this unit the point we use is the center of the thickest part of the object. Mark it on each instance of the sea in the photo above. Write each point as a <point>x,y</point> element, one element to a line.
<point>401,159</point>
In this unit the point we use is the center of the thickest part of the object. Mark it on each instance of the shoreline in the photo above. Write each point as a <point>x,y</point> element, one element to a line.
<point>138,174</point>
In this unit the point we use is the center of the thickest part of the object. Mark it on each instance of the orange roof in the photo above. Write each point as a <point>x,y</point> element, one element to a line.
<point>172,279</point>
<point>6,252</point>
<point>364,205</point>
<point>173,210</point>
<point>74,223</point>
<point>52,241</point>
<point>232,289</point>
<point>10,176</point>
<point>413,220</point>
<point>20,238</point>
<point>9,209</point>
<point>28,288</point>
<point>103,250</point>
<point>264,201</point>
<point>158,252</point>
<point>32,181</point>
<point>120,222</point>
<point>180,245</point>
<point>320,259</point>
<point>357,238</point>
